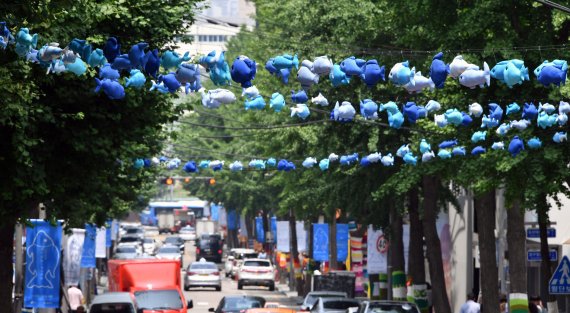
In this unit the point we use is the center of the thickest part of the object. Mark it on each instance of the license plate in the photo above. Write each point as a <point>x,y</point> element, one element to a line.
<point>204,274</point>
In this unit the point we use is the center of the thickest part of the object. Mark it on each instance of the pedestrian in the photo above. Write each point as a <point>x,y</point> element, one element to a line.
<point>471,306</point>
<point>262,254</point>
<point>536,300</point>
<point>503,304</point>
<point>80,309</point>
<point>75,298</point>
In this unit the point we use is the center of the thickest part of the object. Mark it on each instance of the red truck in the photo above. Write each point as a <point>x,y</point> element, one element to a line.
<point>155,284</point>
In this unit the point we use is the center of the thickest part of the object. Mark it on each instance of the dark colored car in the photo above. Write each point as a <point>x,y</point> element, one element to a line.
<point>175,241</point>
<point>237,304</point>
<point>335,305</point>
<point>388,306</point>
<point>209,247</point>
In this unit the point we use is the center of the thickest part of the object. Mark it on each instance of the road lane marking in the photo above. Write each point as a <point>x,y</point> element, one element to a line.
<point>202,303</point>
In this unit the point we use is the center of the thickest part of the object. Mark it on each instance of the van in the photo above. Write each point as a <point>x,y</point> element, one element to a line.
<point>113,302</point>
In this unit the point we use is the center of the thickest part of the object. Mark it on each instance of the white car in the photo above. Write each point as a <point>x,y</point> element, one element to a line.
<point>188,233</point>
<point>235,259</point>
<point>150,245</point>
<point>256,272</point>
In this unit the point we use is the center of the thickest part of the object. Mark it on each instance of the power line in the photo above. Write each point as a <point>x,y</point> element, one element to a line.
<point>554,5</point>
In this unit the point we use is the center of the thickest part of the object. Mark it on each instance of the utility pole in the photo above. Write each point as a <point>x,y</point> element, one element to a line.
<point>19,269</point>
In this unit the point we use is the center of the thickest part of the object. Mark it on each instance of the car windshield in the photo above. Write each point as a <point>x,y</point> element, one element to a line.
<point>391,308</point>
<point>169,250</point>
<point>242,256</point>
<point>129,239</point>
<point>256,263</point>
<point>111,308</point>
<point>134,231</point>
<point>187,228</point>
<point>148,240</point>
<point>242,304</point>
<point>203,266</point>
<point>172,240</point>
<point>339,305</point>
<point>158,299</point>
<point>126,250</point>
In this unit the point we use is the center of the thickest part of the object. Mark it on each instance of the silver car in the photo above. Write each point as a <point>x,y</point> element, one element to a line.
<point>169,252</point>
<point>313,296</point>
<point>150,246</point>
<point>202,274</point>
<point>188,233</point>
<point>126,252</point>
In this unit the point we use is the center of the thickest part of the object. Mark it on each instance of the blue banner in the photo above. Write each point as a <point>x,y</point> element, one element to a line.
<point>321,242</point>
<point>214,211</point>
<point>108,241</point>
<point>341,242</point>
<point>260,232</point>
<point>232,220</point>
<point>43,251</point>
<point>88,254</point>
<point>274,228</point>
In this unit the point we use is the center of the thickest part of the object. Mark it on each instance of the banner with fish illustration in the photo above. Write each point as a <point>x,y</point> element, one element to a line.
<point>43,257</point>
<point>88,252</point>
<point>321,242</point>
<point>341,242</point>
<point>100,248</point>
<point>259,231</point>
<point>72,256</point>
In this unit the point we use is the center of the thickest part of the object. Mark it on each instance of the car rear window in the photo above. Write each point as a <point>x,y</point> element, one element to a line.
<point>126,250</point>
<point>242,304</point>
<point>129,239</point>
<point>158,299</point>
<point>169,250</point>
<point>256,263</point>
<point>391,308</point>
<point>172,239</point>
<point>339,305</point>
<point>203,266</point>
<point>111,308</point>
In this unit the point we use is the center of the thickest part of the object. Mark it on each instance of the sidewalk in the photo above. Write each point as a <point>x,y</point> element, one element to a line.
<point>284,289</point>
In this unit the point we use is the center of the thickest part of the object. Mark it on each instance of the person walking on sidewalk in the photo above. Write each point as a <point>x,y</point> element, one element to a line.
<point>75,298</point>
<point>471,306</point>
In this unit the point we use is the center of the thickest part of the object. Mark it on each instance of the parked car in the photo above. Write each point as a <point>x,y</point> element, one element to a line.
<point>238,304</point>
<point>256,272</point>
<point>209,247</point>
<point>271,310</point>
<point>388,306</point>
<point>313,296</point>
<point>176,241</point>
<point>150,246</point>
<point>169,252</point>
<point>135,231</point>
<point>131,240</point>
<point>187,233</point>
<point>202,274</point>
<point>235,259</point>
<point>335,305</point>
<point>113,302</point>
<point>126,252</point>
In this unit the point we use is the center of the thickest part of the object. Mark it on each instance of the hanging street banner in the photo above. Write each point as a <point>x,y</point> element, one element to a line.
<point>260,233</point>
<point>100,248</point>
<point>222,217</point>
<point>341,242</point>
<point>88,253</point>
<point>232,220</point>
<point>377,251</point>
<point>321,242</point>
<point>43,250</point>
<point>274,227</point>
<point>214,211</point>
<point>72,256</point>
<point>301,236</point>
<point>108,241</point>
<point>283,236</point>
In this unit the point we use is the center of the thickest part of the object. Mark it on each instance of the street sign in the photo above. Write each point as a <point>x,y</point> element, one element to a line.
<point>535,233</point>
<point>534,255</point>
<point>560,282</point>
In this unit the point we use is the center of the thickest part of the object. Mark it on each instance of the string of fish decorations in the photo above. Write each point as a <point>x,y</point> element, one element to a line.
<point>79,54</point>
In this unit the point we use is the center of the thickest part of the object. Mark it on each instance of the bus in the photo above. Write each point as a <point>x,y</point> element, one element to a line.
<point>162,213</point>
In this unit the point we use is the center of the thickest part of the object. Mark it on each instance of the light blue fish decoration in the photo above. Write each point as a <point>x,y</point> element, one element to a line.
<point>544,120</point>
<point>32,56</point>
<point>343,113</point>
<point>97,58</point>
<point>220,75</point>
<point>25,42</point>
<point>173,163</point>
<point>338,77</point>
<point>410,159</point>
<point>520,125</point>
<point>190,167</point>
<point>349,159</point>
<point>333,157</point>
<point>299,97</point>
<point>374,157</point>
<point>112,88</point>
<point>369,109</point>
<point>390,106</point>
<point>472,78</point>
<point>563,107</point>
<point>513,108</point>
<point>322,65</point>
<point>475,109</point>
<point>530,112</point>
<point>204,164</point>
<point>215,58</point>
<point>498,145</point>
<point>503,129</point>
<point>258,103</point>
<point>138,164</point>
<point>3,43</point>
<point>428,156</point>
<point>236,166</point>
<point>459,65</point>
<point>286,61</point>
<point>487,122</point>
<point>459,151</point>
<point>160,87</point>
<point>395,120</point>
<point>50,52</point>
<point>403,150</point>
<point>307,78</point>
<point>301,110</point>
<point>171,60</point>
<point>56,67</point>
<point>187,73</point>
<point>444,154</point>
<point>516,146</point>
<point>515,73</point>
<point>453,116</point>
<point>420,82</point>
<point>400,74</point>
<point>498,71</point>
<point>214,98</point>
<point>424,146</point>
<point>250,92</point>
<point>257,164</point>
<point>324,164</point>
<point>448,144</point>
<point>320,100</point>
<point>441,121</point>
<point>547,107</point>
<point>432,106</point>
<point>534,143</point>
<point>478,150</point>
<point>78,67</point>
<point>478,136</point>
<point>137,79</point>
<point>271,162</point>
<point>107,72</point>
<point>560,137</point>
<point>309,162</point>
<point>387,160</point>
<point>277,102</point>
<point>562,119</point>
<point>352,66</point>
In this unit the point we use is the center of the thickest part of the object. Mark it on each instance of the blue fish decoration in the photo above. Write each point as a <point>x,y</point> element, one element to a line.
<point>414,112</point>
<point>478,136</point>
<point>324,164</point>
<point>307,78</point>
<point>444,154</point>
<point>350,66</point>
<point>559,137</point>
<point>112,49</point>
<point>25,42</point>
<point>151,63</point>
<point>459,151</point>
<point>424,146</point>
<point>187,73</point>
<point>478,150</point>
<point>369,109</point>
<point>78,67</point>
<point>6,34</point>
<point>169,80</point>
<point>107,72</point>
<point>136,54</point>
<point>534,143</point>
<point>284,165</point>
<point>530,111</point>
<point>338,77</point>
<point>409,158</point>
<point>467,120</point>
<point>190,167</point>
<point>243,71</point>
<point>364,162</point>
<point>454,117</point>
<point>271,162</point>
<point>257,103</point>
<point>403,150</point>
<point>213,59</point>
<point>122,62</point>
<point>552,72</point>
<point>160,87</point>
<point>395,120</point>
<point>113,89</point>
<point>513,108</point>
<point>171,60</point>
<point>286,61</point>
<point>496,112</point>
<point>136,80</point>
<point>448,144</point>
<point>277,102</point>
<point>438,71</point>
<point>372,73</point>
<point>400,74</point>
<point>299,97</point>
<point>97,58</point>
<point>516,146</point>
<point>81,47</point>
<point>301,110</point>
<point>349,159</point>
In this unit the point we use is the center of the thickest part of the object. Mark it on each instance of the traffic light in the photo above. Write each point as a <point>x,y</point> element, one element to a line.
<point>169,181</point>
<point>187,179</point>
<point>212,181</point>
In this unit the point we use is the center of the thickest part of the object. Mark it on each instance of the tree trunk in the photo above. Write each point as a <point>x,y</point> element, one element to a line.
<point>516,240</point>
<point>6,250</point>
<point>545,266</point>
<point>485,207</point>
<point>295,274</point>
<point>416,260</point>
<point>431,185</point>
<point>397,262</point>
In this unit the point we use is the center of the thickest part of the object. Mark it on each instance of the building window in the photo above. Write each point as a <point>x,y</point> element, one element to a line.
<point>202,38</point>
<point>222,38</point>
<point>212,38</point>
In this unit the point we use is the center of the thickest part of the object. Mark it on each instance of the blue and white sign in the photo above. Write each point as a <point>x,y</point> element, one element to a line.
<point>274,227</point>
<point>321,242</point>
<point>535,233</point>
<point>108,241</point>
<point>560,282</point>
<point>534,255</point>
<point>88,254</point>
<point>232,220</point>
<point>259,229</point>
<point>214,211</point>
<point>43,242</point>
<point>341,242</point>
